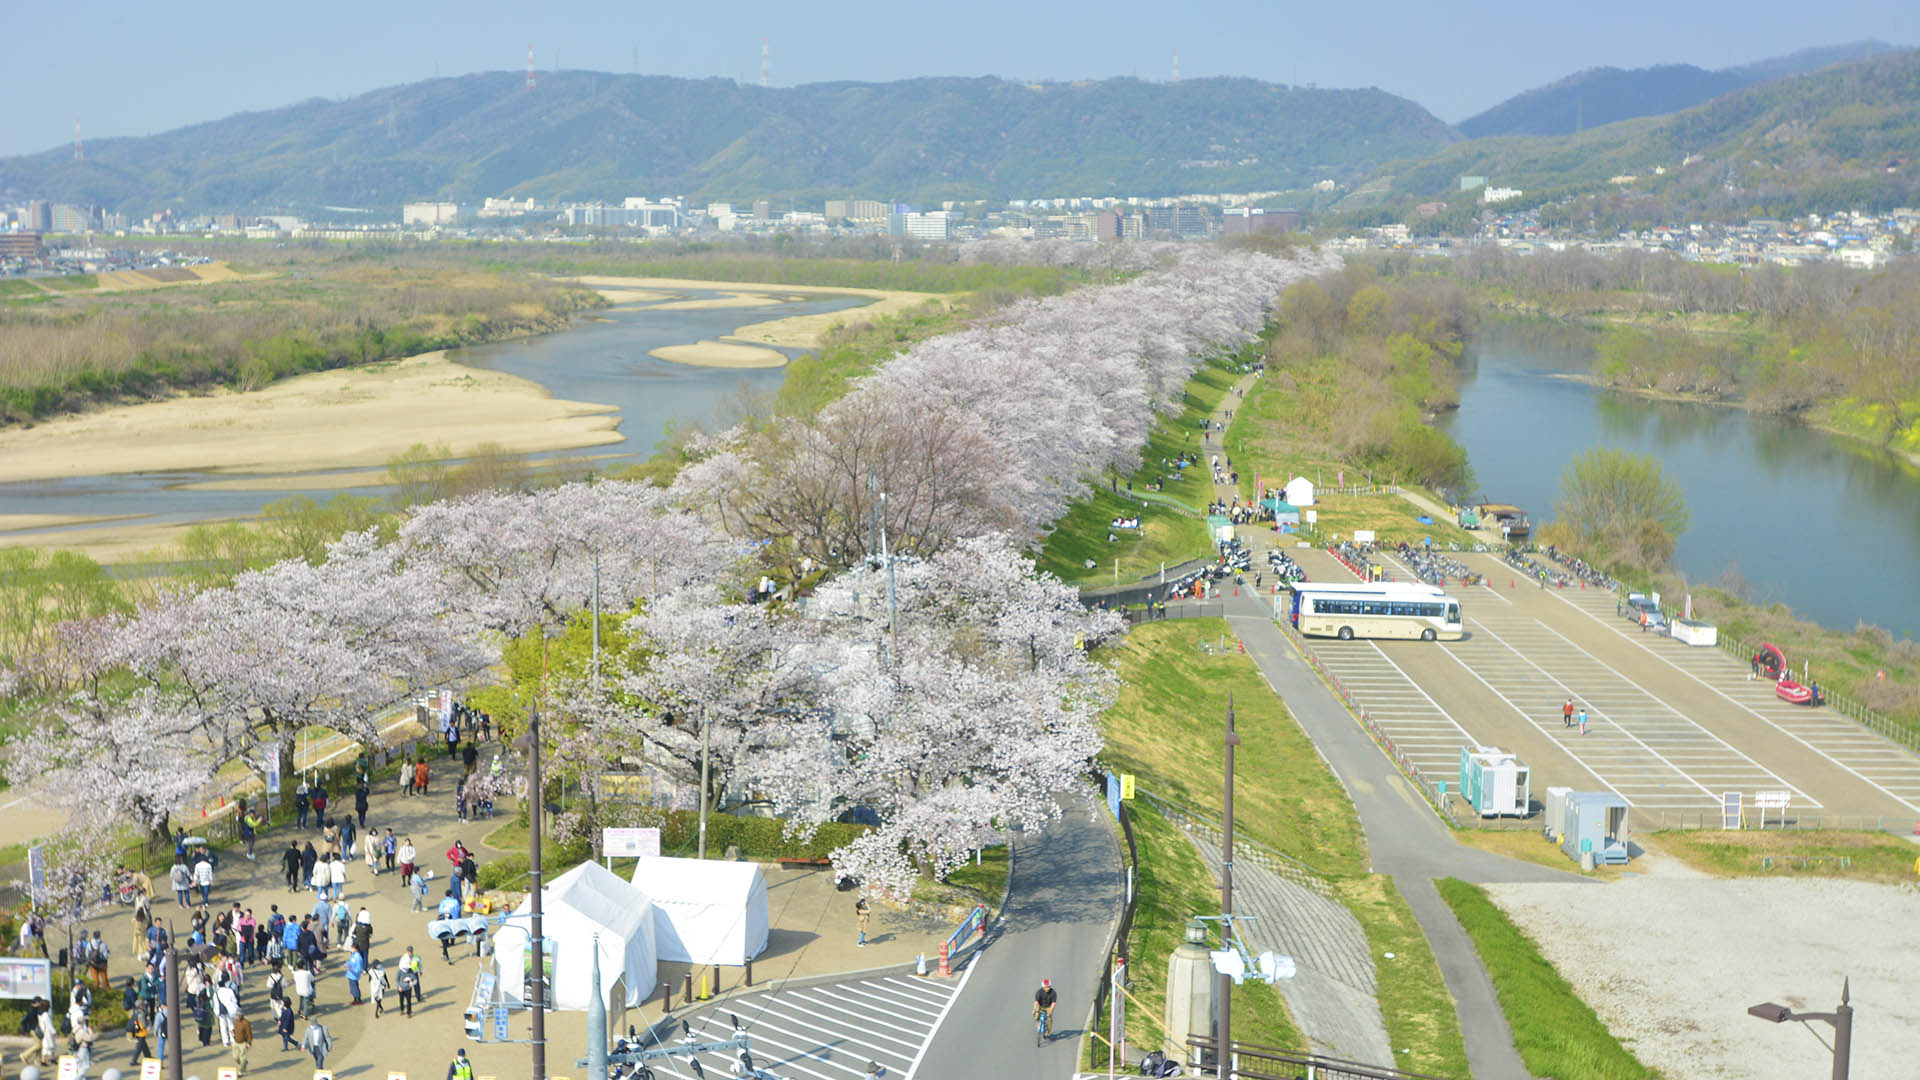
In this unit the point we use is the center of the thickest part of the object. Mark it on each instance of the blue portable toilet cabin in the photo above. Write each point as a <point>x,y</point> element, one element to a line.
<point>1596,821</point>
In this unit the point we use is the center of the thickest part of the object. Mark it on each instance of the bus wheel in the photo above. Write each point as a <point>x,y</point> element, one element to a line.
<point>1346,633</point>
<point>1428,634</point>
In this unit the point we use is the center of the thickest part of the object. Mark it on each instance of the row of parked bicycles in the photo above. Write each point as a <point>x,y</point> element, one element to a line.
<point>1436,568</point>
<point>1580,569</point>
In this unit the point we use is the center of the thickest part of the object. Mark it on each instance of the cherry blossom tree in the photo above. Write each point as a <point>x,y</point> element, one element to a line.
<point>508,561</point>
<point>968,711</point>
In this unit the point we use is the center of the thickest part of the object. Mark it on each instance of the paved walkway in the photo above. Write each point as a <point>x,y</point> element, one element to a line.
<point>1067,890</point>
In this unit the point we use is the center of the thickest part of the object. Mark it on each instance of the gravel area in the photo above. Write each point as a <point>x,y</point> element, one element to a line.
<point>1671,964</point>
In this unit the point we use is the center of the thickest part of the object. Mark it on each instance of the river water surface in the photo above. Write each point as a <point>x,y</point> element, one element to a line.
<point>1827,525</point>
<point>602,358</point>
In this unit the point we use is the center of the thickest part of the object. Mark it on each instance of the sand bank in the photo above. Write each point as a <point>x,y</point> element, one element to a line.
<point>16,522</point>
<point>793,332</point>
<point>720,354</point>
<point>353,418</point>
<point>332,481</point>
<point>726,300</point>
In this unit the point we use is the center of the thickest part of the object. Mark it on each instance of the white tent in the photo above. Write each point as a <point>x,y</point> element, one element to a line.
<point>586,900</point>
<point>1299,491</point>
<point>705,912</point>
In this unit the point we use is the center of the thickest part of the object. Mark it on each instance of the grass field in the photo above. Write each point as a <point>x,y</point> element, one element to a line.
<point>1869,856</point>
<point>1555,1032</point>
<point>1166,535</point>
<point>1166,728</point>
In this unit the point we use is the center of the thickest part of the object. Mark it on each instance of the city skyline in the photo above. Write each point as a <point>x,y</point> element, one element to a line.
<point>169,72</point>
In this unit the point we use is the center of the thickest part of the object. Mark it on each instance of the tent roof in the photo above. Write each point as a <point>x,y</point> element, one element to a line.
<point>597,895</point>
<point>667,880</point>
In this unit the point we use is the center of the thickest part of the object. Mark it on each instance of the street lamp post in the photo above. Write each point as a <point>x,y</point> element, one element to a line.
<point>1223,1067</point>
<point>535,804</point>
<point>1841,1019</point>
<point>172,1031</point>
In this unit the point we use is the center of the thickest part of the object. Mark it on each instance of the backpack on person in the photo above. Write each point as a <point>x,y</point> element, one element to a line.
<point>1156,1064</point>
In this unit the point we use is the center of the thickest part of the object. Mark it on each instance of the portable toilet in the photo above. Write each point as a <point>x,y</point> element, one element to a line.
<point>1495,784</point>
<point>1596,822</point>
<point>1556,826</point>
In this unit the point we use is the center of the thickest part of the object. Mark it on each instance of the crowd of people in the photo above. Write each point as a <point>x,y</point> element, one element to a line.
<point>291,952</point>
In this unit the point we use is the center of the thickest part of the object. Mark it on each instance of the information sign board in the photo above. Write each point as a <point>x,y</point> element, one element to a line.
<point>630,843</point>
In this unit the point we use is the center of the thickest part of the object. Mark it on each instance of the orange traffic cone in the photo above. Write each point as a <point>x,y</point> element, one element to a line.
<point>1509,583</point>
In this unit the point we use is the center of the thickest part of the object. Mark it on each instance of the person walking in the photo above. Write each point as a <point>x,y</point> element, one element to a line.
<point>83,1036</point>
<point>181,879</point>
<point>1583,719</point>
<point>318,1042</point>
<point>370,848</point>
<point>308,857</point>
<point>356,967</point>
<point>360,804</point>
<point>242,1043</point>
<point>420,774</point>
<point>460,1068</point>
<point>249,829</point>
<point>226,1009</point>
<point>407,984</point>
<point>337,876</point>
<point>322,878</point>
<point>137,1032</point>
<point>861,915</point>
<point>377,988</point>
<point>388,848</point>
<point>302,804</point>
<point>407,855</point>
<point>419,891</point>
<point>1566,714</point>
<point>283,1024</point>
<point>410,960</point>
<point>303,988</point>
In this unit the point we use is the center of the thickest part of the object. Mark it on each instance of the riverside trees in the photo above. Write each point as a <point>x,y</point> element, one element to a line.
<point>1621,508</point>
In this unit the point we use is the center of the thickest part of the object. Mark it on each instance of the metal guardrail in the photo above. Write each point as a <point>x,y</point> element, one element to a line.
<point>1427,787</point>
<point>1278,863</point>
<point>1103,992</point>
<point>1866,717</point>
<point>1317,1066</point>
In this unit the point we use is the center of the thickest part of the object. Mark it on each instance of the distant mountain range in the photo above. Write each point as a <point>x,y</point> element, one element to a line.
<point>1844,137</point>
<point>1599,96</point>
<point>586,135</point>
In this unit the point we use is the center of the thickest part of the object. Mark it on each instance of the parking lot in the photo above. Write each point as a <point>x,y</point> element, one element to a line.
<point>1670,727</point>
<point>829,1031</point>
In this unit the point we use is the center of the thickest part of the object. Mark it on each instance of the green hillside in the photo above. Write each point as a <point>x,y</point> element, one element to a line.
<point>1843,137</point>
<point>585,135</point>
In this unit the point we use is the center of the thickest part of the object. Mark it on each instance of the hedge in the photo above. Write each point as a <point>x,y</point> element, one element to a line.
<point>756,837</point>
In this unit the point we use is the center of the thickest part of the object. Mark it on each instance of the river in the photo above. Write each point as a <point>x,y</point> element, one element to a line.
<point>602,358</point>
<point>1829,526</point>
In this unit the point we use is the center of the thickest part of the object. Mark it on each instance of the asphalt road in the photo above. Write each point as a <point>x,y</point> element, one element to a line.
<point>1067,889</point>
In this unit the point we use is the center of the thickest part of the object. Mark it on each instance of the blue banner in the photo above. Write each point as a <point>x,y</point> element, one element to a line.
<point>1113,796</point>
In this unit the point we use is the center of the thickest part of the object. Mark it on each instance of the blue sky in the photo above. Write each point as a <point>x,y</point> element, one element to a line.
<point>124,68</point>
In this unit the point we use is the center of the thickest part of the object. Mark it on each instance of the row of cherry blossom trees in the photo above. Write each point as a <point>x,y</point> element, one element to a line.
<point>959,707</point>
<point>997,428</point>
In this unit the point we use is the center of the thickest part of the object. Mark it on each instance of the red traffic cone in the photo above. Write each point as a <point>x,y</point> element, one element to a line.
<point>1509,583</point>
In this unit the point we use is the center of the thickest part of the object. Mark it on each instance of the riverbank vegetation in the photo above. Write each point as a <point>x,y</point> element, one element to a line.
<point>1359,364</point>
<point>83,350</point>
<point>1176,679</point>
<point>1619,509</point>
<point>1832,347</point>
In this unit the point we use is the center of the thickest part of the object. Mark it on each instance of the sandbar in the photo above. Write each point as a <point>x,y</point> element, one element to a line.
<point>720,354</point>
<point>332,481</point>
<point>15,522</point>
<point>726,300</point>
<point>792,332</point>
<point>350,418</point>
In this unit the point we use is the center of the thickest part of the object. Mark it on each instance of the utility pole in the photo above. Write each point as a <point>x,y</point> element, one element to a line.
<point>705,743</point>
<point>596,622</point>
<point>536,804</point>
<point>171,1033</point>
<point>1224,994</point>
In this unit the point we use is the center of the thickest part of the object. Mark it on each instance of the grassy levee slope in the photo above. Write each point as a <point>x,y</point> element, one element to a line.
<point>1168,534</point>
<point>1165,729</point>
<point>1556,1033</point>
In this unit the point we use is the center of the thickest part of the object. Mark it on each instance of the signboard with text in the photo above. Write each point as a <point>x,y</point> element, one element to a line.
<point>24,978</point>
<point>630,843</point>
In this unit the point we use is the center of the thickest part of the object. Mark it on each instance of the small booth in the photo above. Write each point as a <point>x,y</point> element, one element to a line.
<point>1556,814</point>
<point>705,911</point>
<point>1219,527</point>
<point>1299,491</point>
<point>1284,512</point>
<point>1595,824</point>
<point>584,909</point>
<point>1495,784</point>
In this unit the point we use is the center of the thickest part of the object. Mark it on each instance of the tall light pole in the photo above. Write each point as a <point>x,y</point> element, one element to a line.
<point>704,743</point>
<point>1224,993</point>
<point>1841,1019</point>
<point>535,805</point>
<point>596,622</point>
<point>172,1032</point>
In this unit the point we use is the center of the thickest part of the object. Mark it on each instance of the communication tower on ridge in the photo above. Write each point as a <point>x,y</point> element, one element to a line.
<point>766,65</point>
<point>77,155</point>
<point>1176,65</point>
<point>529,68</point>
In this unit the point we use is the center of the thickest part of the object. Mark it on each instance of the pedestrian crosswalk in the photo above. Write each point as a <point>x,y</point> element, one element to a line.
<point>827,1031</point>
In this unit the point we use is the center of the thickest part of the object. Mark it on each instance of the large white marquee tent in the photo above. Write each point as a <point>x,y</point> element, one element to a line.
<point>584,901</point>
<point>705,912</point>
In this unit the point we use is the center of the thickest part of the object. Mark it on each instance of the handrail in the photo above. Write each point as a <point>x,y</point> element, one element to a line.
<point>1318,1065</point>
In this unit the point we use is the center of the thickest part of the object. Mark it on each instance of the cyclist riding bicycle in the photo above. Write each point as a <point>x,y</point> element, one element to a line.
<point>1043,1002</point>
